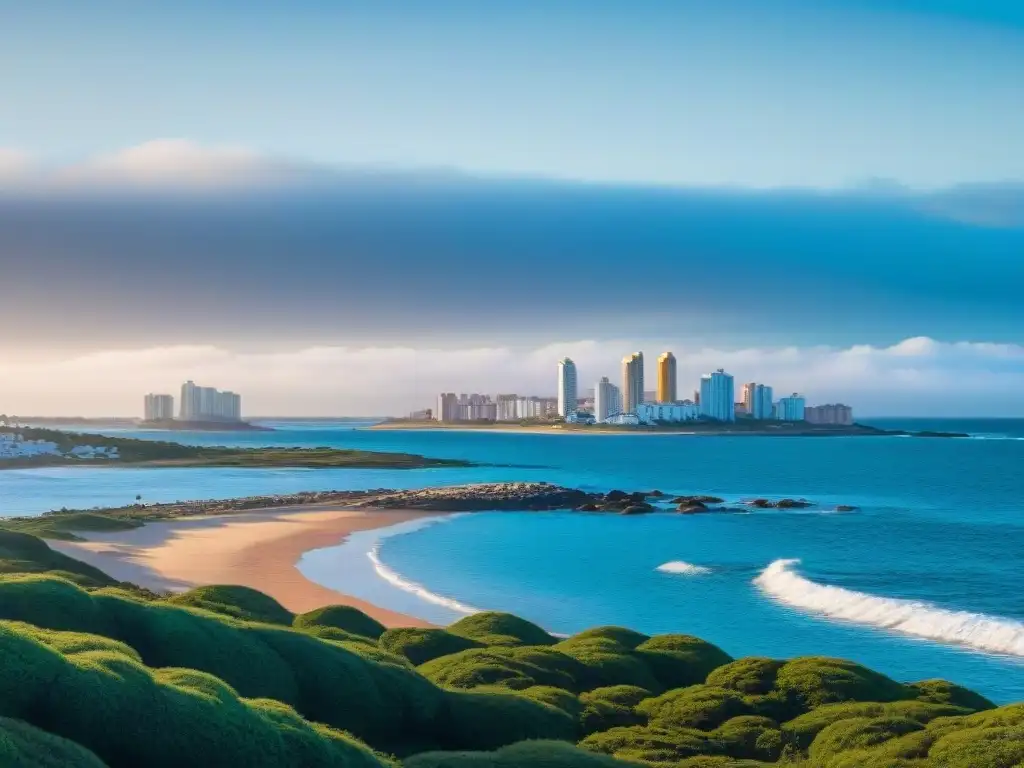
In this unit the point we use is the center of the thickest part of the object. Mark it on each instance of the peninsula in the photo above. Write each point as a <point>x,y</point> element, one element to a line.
<point>22,447</point>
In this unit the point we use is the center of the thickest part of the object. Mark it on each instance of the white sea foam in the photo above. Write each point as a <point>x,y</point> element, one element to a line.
<point>684,568</point>
<point>977,630</point>
<point>396,580</point>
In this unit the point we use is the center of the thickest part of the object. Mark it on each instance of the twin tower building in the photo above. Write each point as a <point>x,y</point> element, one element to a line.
<point>610,400</point>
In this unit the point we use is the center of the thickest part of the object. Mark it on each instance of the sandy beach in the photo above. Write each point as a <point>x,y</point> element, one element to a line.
<point>256,549</point>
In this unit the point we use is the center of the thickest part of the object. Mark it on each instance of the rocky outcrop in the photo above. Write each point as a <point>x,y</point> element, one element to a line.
<point>780,504</point>
<point>697,500</point>
<point>845,508</point>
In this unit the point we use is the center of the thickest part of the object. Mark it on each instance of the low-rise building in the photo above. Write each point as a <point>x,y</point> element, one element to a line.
<point>667,413</point>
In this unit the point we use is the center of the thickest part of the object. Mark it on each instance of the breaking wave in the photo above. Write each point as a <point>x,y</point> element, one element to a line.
<point>684,568</point>
<point>395,580</point>
<point>912,617</point>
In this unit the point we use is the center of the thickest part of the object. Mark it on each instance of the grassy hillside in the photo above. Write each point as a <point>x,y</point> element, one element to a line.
<point>100,674</point>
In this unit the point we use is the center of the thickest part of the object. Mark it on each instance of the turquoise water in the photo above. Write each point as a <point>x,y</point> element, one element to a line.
<point>927,576</point>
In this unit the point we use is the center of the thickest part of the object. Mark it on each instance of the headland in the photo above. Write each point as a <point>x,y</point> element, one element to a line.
<point>178,425</point>
<point>26,447</point>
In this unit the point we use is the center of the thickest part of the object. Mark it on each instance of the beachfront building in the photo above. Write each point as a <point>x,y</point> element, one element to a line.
<point>506,407</point>
<point>607,400</point>
<point>666,392</point>
<point>209,404</point>
<point>632,381</point>
<point>833,413</point>
<point>158,407</point>
<point>790,408</point>
<point>667,413</point>
<point>717,396</point>
<point>757,401</point>
<point>447,407</point>
<point>623,419</point>
<point>567,389</point>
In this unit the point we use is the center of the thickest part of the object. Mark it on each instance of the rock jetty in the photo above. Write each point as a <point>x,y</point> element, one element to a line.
<point>512,496</point>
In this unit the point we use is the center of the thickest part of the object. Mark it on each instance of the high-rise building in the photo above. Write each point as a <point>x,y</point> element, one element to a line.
<point>763,398</point>
<point>567,389</point>
<point>632,381</point>
<point>209,404</point>
<point>506,407</point>
<point>158,407</point>
<point>447,407</point>
<point>607,400</point>
<point>833,413</point>
<point>748,397</point>
<point>667,378</point>
<point>790,408</point>
<point>716,396</point>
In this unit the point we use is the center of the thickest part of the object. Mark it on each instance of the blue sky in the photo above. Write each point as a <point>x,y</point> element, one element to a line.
<point>775,183</point>
<point>737,93</point>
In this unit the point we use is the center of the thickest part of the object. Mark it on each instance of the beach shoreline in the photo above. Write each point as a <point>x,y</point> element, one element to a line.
<point>259,549</point>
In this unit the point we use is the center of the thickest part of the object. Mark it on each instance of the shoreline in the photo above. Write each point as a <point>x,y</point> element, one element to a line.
<point>259,549</point>
<point>682,430</point>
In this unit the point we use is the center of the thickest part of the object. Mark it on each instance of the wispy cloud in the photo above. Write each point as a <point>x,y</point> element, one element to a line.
<point>918,376</point>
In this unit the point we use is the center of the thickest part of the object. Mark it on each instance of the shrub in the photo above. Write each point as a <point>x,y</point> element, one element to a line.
<point>627,638</point>
<point>493,719</point>
<point>234,601</point>
<point>681,660</point>
<point>493,628</point>
<point>515,668</point>
<point>650,744</point>
<point>816,680</point>
<point>536,754</point>
<point>751,737</point>
<point>23,745</point>
<point>858,733</point>
<point>608,663</point>
<point>945,692</point>
<point>751,675</point>
<point>343,617</point>
<point>422,645</point>
<point>703,707</point>
<point>623,695</point>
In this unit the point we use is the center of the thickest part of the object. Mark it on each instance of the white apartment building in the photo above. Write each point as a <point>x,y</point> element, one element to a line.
<point>717,395</point>
<point>447,407</point>
<point>506,407</point>
<point>607,400</point>
<point>158,407</point>
<point>567,388</point>
<point>209,404</point>
<point>672,413</point>
<point>790,408</point>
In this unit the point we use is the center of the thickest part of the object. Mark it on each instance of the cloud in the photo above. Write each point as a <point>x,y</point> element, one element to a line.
<point>15,165</point>
<point>964,378</point>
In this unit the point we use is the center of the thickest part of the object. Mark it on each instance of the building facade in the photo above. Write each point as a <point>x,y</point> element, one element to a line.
<point>790,408</point>
<point>607,400</point>
<point>158,407</point>
<point>717,396</point>
<point>833,413</point>
<point>667,378</point>
<point>567,388</point>
<point>447,407</point>
<point>506,407</point>
<point>632,381</point>
<point>209,404</point>
<point>671,413</point>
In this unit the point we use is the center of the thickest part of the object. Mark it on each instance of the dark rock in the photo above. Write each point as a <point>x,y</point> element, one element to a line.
<point>589,507</point>
<point>761,503</point>
<point>691,509</point>
<point>656,494</point>
<point>845,508</point>
<point>792,504</point>
<point>695,504</point>
<point>639,498</point>
<point>697,499</point>
<point>638,509</point>
<point>616,495</point>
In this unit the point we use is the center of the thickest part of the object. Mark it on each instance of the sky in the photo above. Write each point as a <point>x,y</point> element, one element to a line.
<point>340,208</point>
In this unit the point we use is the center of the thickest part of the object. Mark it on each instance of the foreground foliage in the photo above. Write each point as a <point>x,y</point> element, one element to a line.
<point>95,674</point>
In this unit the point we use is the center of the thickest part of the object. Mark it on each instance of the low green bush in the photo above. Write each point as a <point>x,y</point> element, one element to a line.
<point>608,663</point>
<point>623,695</point>
<point>237,602</point>
<point>24,745</point>
<point>681,660</point>
<point>343,617</point>
<point>703,707</point>
<point>816,680</point>
<point>421,645</point>
<point>945,692</point>
<point>513,667</point>
<point>493,628</point>
<point>751,675</point>
<point>527,754</point>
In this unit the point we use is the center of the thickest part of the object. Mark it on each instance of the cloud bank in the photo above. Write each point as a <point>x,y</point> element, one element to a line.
<point>918,376</point>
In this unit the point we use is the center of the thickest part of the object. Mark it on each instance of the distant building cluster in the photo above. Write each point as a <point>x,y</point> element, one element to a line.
<point>714,400</point>
<point>14,446</point>
<point>197,404</point>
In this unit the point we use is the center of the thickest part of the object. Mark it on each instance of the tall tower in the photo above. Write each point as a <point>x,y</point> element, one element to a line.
<point>667,378</point>
<point>632,382</point>
<point>607,400</point>
<point>567,389</point>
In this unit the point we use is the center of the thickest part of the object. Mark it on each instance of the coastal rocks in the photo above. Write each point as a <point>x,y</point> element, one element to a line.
<point>588,507</point>
<point>486,496</point>
<point>637,509</point>
<point>845,508</point>
<point>697,500</point>
<point>780,504</point>
<point>692,509</point>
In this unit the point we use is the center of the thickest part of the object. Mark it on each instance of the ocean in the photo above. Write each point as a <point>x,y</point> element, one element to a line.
<point>924,579</point>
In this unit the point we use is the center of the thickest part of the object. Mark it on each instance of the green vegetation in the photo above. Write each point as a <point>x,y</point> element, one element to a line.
<point>96,674</point>
<point>159,453</point>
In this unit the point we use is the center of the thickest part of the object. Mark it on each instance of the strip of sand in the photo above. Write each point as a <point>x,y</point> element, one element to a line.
<point>258,549</point>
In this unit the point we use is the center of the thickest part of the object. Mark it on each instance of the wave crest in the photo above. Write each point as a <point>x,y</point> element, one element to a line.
<point>416,589</point>
<point>912,617</point>
<point>682,567</point>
